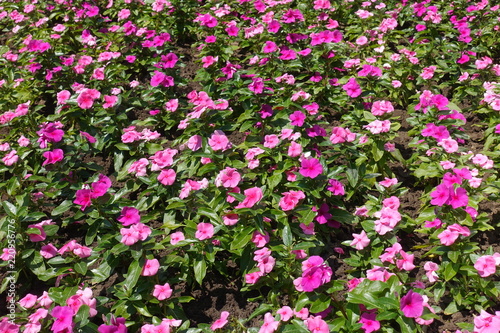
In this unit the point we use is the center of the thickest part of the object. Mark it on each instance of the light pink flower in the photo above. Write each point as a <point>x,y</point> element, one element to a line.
<point>219,141</point>
<point>229,177</point>
<point>162,292</point>
<point>270,325</point>
<point>167,177</point>
<point>317,325</point>
<point>176,237</point>
<point>485,265</point>
<point>252,196</point>
<point>290,199</point>
<point>151,267</point>
<point>360,241</point>
<point>221,322</point>
<point>204,231</point>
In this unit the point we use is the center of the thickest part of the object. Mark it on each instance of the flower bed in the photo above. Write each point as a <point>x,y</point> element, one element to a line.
<point>260,166</point>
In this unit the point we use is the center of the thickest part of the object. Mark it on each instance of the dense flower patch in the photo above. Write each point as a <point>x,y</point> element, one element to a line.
<point>308,136</point>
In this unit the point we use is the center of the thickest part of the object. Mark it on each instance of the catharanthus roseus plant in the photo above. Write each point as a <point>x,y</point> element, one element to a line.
<point>305,166</point>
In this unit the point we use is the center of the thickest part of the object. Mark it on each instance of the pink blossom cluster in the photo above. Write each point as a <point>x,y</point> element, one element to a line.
<point>21,110</point>
<point>291,199</point>
<point>388,217</point>
<point>164,326</point>
<point>50,132</point>
<point>192,185</point>
<point>396,255</point>
<point>265,263</point>
<point>136,232</point>
<point>131,135</point>
<point>315,273</point>
<point>202,102</point>
<point>49,251</point>
<point>452,232</point>
<point>97,189</point>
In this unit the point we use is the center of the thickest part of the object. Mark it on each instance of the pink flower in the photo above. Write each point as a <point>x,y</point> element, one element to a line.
<point>219,141</point>
<point>388,182</point>
<point>10,158</point>
<point>228,178</point>
<point>86,98</point>
<point>297,118</point>
<point>63,96</point>
<point>458,198</point>
<point>83,198</point>
<point>352,88</point>
<point>360,241</point>
<point>162,292</point>
<point>370,324</point>
<point>316,324</point>
<point>167,177</point>
<point>295,149</point>
<point>440,195</point>
<point>485,265</point>
<point>291,199</point>
<point>129,216</point>
<point>204,231</point>
<point>221,322</point>
<point>117,325</point>
<point>286,313</point>
<point>430,270</point>
<point>252,196</point>
<point>28,301</point>
<point>252,278</point>
<point>412,304</point>
<point>194,142</point>
<point>269,47</point>
<point>176,237</point>
<point>63,319</point>
<point>52,157</point>
<point>209,61</point>
<point>487,323</point>
<point>310,168</point>
<point>139,167</point>
<point>380,108</point>
<point>151,267</point>
<point>270,325</point>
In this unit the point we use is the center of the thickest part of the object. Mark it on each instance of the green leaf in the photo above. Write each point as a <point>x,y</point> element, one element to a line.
<point>406,324</point>
<point>133,273</point>
<point>200,269</point>
<point>242,238</point>
<point>63,207</point>
<point>451,309</point>
<point>9,208</point>
<point>274,180</point>
<point>82,315</point>
<point>118,161</point>
<point>213,216</point>
<point>81,268</point>
<point>287,236</point>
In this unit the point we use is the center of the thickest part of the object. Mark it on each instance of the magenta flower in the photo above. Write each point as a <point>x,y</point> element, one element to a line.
<point>221,322</point>
<point>412,304</point>
<point>204,231</point>
<point>310,168</point>
<point>83,198</point>
<point>458,198</point>
<point>440,195</point>
<point>117,325</point>
<point>370,324</point>
<point>52,157</point>
<point>297,118</point>
<point>253,195</point>
<point>129,216</point>
<point>63,319</point>
<point>352,88</point>
<point>101,186</point>
<point>162,292</point>
<point>151,267</point>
